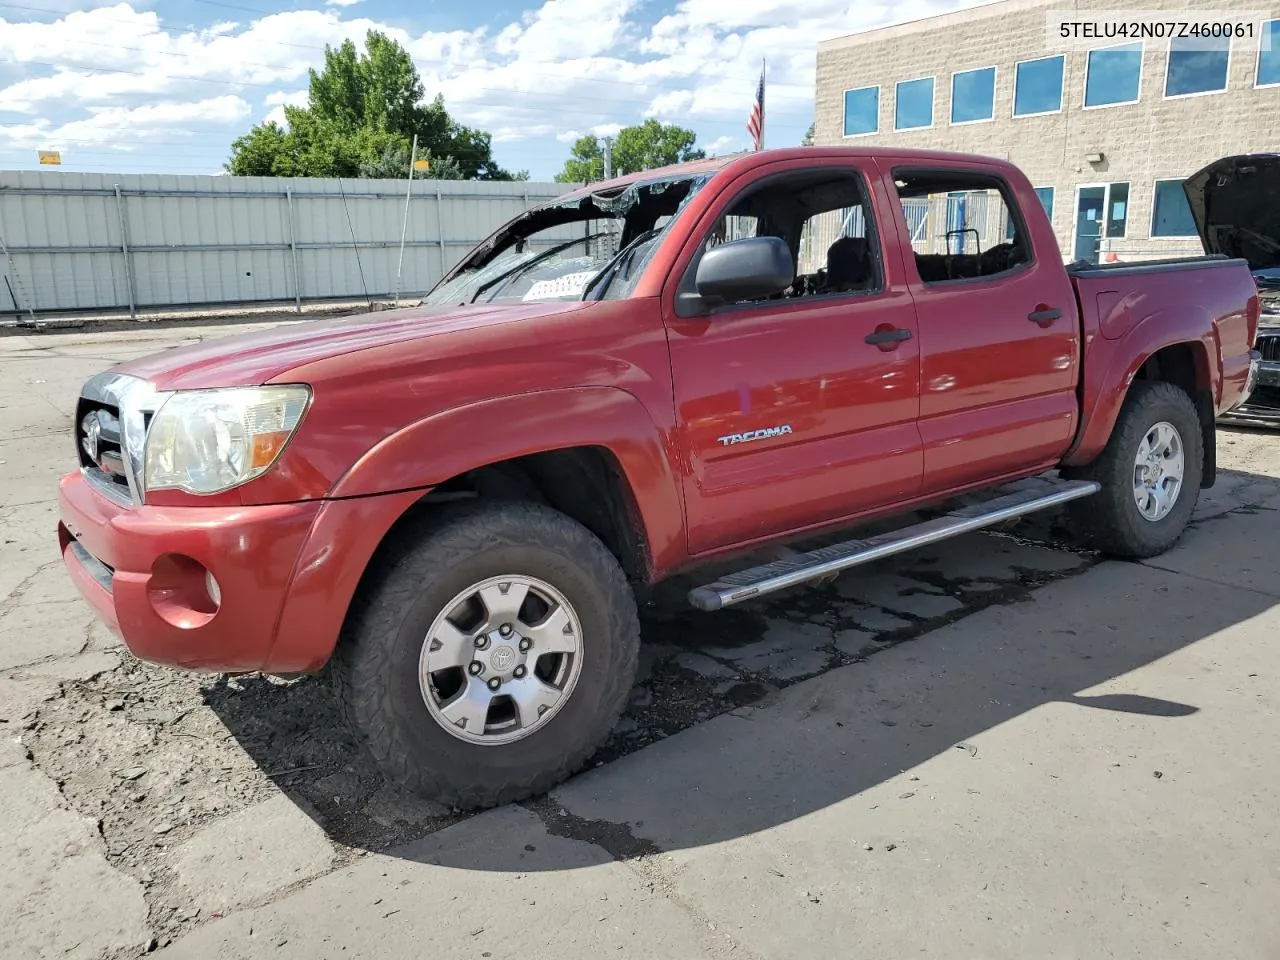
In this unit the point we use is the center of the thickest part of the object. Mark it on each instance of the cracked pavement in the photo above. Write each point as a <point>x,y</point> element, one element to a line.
<point>1000,746</point>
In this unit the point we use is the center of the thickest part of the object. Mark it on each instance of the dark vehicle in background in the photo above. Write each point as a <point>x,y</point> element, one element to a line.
<point>1236,205</point>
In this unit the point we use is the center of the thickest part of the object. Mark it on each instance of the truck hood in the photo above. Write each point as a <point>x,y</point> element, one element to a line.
<point>260,356</point>
<point>1236,205</point>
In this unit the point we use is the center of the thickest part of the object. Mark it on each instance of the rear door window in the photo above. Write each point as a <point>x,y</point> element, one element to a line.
<point>963,226</point>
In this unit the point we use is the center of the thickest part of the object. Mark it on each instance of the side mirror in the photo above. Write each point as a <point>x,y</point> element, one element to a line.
<point>745,270</point>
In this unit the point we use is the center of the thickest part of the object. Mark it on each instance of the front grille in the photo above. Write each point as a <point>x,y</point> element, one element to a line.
<point>1268,397</point>
<point>100,447</point>
<point>1269,346</point>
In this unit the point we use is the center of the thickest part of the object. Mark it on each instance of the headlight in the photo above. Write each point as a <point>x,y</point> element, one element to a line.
<point>208,441</point>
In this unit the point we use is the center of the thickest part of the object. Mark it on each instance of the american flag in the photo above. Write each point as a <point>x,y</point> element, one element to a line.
<point>755,123</point>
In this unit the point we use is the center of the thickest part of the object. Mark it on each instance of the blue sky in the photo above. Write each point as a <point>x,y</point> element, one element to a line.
<point>164,86</point>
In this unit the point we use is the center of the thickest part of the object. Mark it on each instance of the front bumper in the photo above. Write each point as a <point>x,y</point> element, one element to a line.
<point>144,570</point>
<point>286,574</point>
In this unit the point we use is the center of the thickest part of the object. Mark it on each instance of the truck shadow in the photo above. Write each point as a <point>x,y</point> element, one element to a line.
<point>733,750</point>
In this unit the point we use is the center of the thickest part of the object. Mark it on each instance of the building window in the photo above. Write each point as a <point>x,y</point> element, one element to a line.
<point>1045,196</point>
<point>1117,209</point>
<point>973,95</point>
<point>1037,86</point>
<point>1195,67</point>
<point>861,111</point>
<point>1171,214</point>
<point>1046,200</point>
<point>1269,54</point>
<point>1113,75</point>
<point>913,104</point>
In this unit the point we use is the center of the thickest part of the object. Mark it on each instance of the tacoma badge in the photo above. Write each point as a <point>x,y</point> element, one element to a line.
<point>766,433</point>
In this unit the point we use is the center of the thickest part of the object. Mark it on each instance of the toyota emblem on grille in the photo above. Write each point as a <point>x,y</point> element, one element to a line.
<point>91,427</point>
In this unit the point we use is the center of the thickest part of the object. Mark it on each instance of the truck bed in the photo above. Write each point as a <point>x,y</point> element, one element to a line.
<point>1084,268</point>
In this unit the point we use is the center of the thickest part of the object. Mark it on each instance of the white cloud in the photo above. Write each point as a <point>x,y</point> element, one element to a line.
<point>293,98</point>
<point>563,66</point>
<point>720,145</point>
<point>123,128</point>
<point>670,104</point>
<point>28,96</point>
<point>279,100</point>
<point>567,29</point>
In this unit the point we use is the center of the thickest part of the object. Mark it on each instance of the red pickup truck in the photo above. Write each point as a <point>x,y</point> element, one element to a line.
<point>452,505</point>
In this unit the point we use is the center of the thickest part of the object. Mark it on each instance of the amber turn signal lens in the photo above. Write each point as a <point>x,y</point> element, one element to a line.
<point>266,447</point>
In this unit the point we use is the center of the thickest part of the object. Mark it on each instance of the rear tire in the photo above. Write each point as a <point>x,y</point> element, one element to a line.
<point>1140,512</point>
<point>562,661</point>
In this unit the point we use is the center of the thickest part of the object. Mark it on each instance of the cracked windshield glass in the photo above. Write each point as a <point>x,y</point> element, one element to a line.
<point>593,247</point>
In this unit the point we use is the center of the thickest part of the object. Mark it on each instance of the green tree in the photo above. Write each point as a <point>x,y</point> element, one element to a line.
<point>642,147</point>
<point>362,112</point>
<point>653,144</point>
<point>264,151</point>
<point>807,140</point>
<point>585,163</point>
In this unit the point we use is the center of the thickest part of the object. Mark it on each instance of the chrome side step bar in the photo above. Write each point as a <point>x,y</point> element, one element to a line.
<point>1011,501</point>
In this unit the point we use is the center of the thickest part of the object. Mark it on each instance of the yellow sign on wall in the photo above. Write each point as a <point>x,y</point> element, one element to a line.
<point>50,157</point>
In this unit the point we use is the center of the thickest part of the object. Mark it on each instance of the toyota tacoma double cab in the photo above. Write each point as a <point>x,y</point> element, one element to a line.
<point>450,508</point>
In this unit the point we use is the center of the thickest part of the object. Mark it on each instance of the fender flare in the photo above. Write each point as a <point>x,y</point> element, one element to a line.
<point>451,442</point>
<point>1103,395</point>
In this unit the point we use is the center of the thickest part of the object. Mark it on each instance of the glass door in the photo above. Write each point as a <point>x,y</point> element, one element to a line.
<point>1090,202</point>
<point>1102,211</point>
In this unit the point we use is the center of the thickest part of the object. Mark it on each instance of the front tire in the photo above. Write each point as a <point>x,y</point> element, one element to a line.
<point>1150,472</point>
<point>490,655</point>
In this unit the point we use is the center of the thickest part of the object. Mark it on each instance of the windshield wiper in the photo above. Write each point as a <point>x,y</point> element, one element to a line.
<point>621,259</point>
<point>526,264</point>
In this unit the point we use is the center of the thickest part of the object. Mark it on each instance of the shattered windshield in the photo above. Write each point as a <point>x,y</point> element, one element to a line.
<point>593,246</point>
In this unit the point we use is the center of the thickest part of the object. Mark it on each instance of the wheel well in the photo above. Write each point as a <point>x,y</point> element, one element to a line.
<point>1185,365</point>
<point>584,483</point>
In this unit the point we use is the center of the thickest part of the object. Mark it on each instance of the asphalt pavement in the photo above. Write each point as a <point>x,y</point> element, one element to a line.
<point>1003,746</point>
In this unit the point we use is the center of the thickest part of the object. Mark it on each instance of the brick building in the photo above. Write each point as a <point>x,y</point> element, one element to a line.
<point>1105,130</point>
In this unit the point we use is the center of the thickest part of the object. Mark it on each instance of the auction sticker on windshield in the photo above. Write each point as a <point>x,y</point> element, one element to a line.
<point>571,284</point>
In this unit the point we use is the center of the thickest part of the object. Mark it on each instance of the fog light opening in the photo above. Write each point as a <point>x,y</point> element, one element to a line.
<point>182,591</point>
<point>215,591</point>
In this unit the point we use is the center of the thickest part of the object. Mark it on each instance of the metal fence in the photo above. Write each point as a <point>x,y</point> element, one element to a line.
<point>964,222</point>
<point>91,242</point>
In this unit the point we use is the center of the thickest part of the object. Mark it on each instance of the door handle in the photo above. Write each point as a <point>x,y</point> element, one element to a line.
<point>1044,316</point>
<point>881,337</point>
